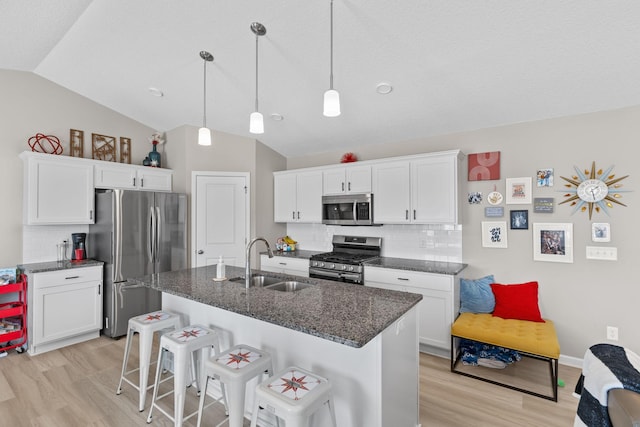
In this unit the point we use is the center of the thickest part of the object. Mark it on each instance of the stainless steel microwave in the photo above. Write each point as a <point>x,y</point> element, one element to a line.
<point>348,209</point>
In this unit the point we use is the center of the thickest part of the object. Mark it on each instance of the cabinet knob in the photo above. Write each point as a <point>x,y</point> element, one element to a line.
<point>200,252</point>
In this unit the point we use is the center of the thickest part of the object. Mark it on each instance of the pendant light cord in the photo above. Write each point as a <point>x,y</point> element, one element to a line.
<point>331,58</point>
<point>204,96</point>
<point>256,72</point>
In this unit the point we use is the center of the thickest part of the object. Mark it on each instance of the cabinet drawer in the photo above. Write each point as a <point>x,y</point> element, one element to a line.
<point>285,263</point>
<point>439,282</point>
<point>66,277</point>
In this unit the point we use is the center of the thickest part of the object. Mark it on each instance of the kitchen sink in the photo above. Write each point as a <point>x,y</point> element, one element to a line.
<point>288,286</point>
<point>258,280</point>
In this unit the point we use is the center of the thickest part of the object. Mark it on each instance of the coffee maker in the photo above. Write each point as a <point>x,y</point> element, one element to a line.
<point>78,250</point>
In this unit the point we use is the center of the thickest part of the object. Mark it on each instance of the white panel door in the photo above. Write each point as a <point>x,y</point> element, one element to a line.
<point>221,219</point>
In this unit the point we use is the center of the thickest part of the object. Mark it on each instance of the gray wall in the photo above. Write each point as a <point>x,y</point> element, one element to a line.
<point>584,297</point>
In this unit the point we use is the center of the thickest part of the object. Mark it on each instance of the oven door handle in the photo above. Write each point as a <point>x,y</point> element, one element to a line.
<point>324,273</point>
<point>353,277</point>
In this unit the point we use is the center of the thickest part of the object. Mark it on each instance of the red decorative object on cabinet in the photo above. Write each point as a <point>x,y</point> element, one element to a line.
<point>14,313</point>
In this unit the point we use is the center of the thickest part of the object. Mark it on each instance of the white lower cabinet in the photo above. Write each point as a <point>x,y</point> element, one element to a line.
<point>65,307</point>
<point>285,265</point>
<point>439,305</point>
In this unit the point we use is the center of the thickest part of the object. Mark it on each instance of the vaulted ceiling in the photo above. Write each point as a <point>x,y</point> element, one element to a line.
<point>454,65</point>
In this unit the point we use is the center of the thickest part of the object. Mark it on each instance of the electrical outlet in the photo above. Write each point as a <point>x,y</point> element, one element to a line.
<point>612,333</point>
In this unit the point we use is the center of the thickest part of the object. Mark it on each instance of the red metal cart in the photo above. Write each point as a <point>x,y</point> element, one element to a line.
<point>13,316</point>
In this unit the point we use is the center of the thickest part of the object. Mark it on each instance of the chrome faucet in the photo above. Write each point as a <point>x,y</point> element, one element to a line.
<point>247,270</point>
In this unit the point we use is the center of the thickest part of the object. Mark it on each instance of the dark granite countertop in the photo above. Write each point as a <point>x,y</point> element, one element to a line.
<point>344,313</point>
<point>449,268</point>
<point>41,267</point>
<point>437,267</point>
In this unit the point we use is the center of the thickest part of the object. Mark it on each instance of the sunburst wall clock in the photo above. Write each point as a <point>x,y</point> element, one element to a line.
<point>593,190</point>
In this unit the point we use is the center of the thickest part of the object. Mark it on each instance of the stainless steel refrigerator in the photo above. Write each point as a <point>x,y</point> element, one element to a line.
<point>136,233</point>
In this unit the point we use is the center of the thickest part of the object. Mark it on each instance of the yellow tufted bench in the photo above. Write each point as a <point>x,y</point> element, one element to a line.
<point>531,339</point>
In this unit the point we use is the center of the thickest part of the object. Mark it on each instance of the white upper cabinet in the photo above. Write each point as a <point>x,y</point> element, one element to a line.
<point>346,180</point>
<point>60,189</point>
<point>298,197</point>
<point>130,177</point>
<point>417,190</point>
<point>57,190</point>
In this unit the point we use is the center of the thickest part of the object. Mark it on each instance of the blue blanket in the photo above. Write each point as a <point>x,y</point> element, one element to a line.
<point>605,367</point>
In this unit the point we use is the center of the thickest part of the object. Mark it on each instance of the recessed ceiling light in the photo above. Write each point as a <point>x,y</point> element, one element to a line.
<point>277,117</point>
<point>384,88</point>
<point>155,92</point>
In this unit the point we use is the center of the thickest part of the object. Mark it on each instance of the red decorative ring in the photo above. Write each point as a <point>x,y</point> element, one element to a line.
<point>52,145</point>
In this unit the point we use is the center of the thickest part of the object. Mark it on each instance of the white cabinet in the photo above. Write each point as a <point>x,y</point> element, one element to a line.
<point>298,196</point>
<point>439,305</point>
<point>130,177</point>
<point>346,180</point>
<point>285,265</point>
<point>65,307</point>
<point>57,190</point>
<point>417,190</point>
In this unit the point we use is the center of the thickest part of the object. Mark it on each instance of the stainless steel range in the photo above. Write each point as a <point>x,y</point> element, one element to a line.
<point>345,262</point>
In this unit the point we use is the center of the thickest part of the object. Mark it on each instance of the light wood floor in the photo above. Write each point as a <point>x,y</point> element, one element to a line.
<point>75,386</point>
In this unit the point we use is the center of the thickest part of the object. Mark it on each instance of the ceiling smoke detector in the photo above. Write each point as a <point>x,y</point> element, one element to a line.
<point>384,88</point>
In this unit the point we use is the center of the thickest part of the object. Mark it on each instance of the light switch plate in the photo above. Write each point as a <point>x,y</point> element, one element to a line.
<point>602,253</point>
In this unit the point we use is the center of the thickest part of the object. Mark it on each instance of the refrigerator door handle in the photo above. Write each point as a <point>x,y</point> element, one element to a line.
<point>117,238</point>
<point>158,231</point>
<point>150,247</point>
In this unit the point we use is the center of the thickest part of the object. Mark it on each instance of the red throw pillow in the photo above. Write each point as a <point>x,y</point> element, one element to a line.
<point>517,301</point>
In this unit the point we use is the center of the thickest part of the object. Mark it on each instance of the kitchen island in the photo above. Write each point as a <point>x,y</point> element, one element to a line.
<point>364,340</point>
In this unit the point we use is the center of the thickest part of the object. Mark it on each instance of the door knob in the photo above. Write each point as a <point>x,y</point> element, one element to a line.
<point>200,252</point>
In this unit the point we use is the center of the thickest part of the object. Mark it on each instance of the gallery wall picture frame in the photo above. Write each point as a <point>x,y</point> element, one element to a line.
<point>543,204</point>
<point>553,242</point>
<point>494,234</point>
<point>519,219</point>
<point>76,143</point>
<point>483,166</point>
<point>518,191</point>
<point>125,150</point>
<point>103,147</point>
<point>600,232</point>
<point>544,177</point>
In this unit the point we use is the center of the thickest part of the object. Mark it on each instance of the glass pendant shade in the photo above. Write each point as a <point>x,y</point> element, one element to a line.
<point>256,123</point>
<point>331,103</point>
<point>204,136</point>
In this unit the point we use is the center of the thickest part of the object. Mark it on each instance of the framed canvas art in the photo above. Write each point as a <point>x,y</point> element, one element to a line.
<point>553,242</point>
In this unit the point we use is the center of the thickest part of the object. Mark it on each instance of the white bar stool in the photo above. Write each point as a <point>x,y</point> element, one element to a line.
<point>293,395</point>
<point>234,368</point>
<point>185,342</point>
<point>145,325</point>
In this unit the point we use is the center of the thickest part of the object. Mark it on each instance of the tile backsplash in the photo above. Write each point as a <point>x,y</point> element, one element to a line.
<point>432,242</point>
<point>39,241</point>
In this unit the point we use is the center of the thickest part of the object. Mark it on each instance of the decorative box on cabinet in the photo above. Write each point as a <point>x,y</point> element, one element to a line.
<point>346,180</point>
<point>130,177</point>
<point>421,189</point>
<point>65,307</point>
<point>439,305</point>
<point>285,265</point>
<point>297,196</point>
<point>57,189</point>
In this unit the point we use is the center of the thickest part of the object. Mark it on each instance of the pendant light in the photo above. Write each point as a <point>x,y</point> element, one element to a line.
<point>256,122</point>
<point>331,97</point>
<point>204,134</point>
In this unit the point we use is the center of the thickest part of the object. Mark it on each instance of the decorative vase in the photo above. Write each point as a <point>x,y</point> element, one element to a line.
<point>146,161</point>
<point>155,157</point>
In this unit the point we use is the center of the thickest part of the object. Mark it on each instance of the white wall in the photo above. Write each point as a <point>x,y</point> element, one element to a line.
<point>584,297</point>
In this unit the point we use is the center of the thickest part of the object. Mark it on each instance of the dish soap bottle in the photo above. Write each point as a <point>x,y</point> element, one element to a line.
<point>220,268</point>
